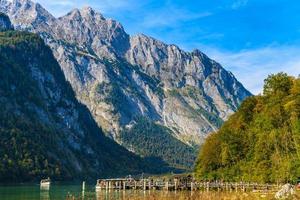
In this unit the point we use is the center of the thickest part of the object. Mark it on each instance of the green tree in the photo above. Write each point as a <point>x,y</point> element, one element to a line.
<point>260,142</point>
<point>279,83</point>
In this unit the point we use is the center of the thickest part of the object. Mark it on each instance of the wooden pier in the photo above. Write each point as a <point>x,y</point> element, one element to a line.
<point>181,184</point>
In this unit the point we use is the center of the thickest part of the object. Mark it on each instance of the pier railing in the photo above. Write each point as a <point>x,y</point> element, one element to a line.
<point>177,184</point>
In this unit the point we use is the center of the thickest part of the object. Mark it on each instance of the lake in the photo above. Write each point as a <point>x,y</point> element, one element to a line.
<point>60,192</point>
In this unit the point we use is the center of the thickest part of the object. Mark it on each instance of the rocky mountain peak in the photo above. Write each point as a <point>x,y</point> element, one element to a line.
<point>5,23</point>
<point>87,10</point>
<point>186,92</point>
<point>22,2</point>
<point>197,52</point>
<point>26,14</point>
<point>142,39</point>
<point>86,13</point>
<point>85,27</point>
<point>88,27</point>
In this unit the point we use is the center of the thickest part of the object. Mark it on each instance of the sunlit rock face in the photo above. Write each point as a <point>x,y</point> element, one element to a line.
<point>44,125</point>
<point>121,77</point>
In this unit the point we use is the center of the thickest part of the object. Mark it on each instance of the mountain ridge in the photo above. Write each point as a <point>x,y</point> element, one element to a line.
<point>121,77</point>
<point>44,130</point>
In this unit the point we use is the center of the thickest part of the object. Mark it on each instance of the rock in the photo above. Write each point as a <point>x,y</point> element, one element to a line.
<point>121,77</point>
<point>286,191</point>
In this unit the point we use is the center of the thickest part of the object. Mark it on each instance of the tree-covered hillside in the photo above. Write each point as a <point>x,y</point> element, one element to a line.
<point>156,142</point>
<point>44,131</point>
<point>261,141</point>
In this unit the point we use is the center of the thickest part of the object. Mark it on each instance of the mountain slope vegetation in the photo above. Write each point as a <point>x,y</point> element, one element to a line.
<point>157,142</point>
<point>261,141</point>
<point>44,131</point>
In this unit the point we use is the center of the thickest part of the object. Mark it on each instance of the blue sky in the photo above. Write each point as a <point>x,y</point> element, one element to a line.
<point>251,38</point>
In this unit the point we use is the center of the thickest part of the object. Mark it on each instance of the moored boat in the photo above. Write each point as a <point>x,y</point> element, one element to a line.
<point>45,183</point>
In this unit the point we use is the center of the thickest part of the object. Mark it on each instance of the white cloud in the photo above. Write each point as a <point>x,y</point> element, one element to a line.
<point>61,7</point>
<point>239,3</point>
<point>108,6</point>
<point>56,2</point>
<point>62,3</point>
<point>171,17</point>
<point>251,67</point>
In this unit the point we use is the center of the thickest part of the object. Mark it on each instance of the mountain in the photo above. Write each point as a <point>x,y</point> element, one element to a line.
<point>44,130</point>
<point>260,142</point>
<point>121,78</point>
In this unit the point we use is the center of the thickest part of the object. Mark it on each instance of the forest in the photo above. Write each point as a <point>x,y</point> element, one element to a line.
<point>261,141</point>
<point>157,143</point>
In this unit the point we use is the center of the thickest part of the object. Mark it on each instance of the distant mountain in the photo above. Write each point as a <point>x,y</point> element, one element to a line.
<point>260,142</point>
<point>44,131</point>
<point>121,78</point>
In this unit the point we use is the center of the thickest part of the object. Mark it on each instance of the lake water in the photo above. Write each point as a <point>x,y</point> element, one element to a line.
<point>60,192</point>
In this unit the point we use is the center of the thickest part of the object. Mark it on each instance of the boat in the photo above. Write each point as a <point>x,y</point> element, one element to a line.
<point>45,183</point>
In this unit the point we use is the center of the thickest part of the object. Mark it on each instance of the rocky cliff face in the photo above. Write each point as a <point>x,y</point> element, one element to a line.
<point>121,77</point>
<point>44,130</point>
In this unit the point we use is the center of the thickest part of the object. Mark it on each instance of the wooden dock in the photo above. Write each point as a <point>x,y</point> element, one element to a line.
<point>181,184</point>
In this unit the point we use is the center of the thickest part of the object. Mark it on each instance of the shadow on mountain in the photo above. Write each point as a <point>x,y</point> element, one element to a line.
<point>44,130</point>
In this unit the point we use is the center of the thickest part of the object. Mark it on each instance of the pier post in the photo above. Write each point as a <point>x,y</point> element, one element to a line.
<point>124,185</point>
<point>149,185</point>
<point>106,185</point>
<point>207,188</point>
<point>192,185</point>
<point>236,187</point>
<point>83,185</point>
<point>135,185</point>
<point>175,183</point>
<point>109,185</point>
<point>144,184</point>
<point>167,186</point>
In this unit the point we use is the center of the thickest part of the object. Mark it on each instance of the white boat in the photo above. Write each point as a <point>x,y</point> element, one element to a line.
<point>45,183</point>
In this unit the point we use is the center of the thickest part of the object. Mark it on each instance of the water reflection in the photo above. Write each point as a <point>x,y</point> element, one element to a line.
<point>60,192</point>
<point>44,195</point>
